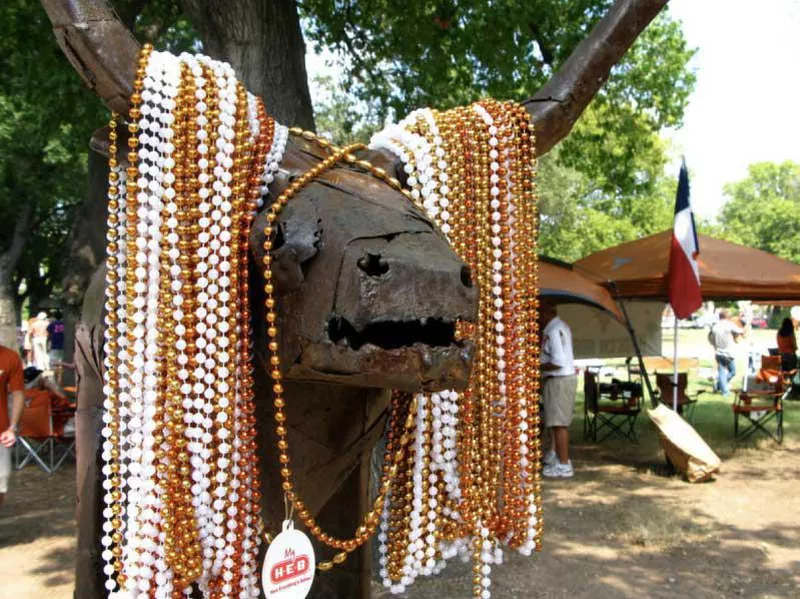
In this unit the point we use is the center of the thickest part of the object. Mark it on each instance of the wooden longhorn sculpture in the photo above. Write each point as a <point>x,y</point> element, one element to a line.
<point>370,294</point>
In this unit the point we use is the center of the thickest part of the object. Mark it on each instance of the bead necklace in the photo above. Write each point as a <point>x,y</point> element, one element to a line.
<point>473,170</point>
<point>179,426</point>
<point>371,519</point>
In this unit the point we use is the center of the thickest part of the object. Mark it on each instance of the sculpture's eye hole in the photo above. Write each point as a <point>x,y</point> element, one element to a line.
<point>466,277</point>
<point>373,265</point>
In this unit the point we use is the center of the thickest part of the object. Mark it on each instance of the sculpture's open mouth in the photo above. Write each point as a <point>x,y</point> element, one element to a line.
<point>425,354</point>
<point>434,332</point>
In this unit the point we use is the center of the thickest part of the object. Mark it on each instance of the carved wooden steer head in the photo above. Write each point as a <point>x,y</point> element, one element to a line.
<point>369,295</point>
<point>370,290</point>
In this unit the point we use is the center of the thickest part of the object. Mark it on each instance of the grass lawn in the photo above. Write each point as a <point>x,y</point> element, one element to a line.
<point>713,417</point>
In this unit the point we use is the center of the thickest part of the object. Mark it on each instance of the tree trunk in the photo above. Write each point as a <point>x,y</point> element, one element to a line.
<point>86,251</point>
<point>8,320</point>
<point>8,263</point>
<point>262,40</point>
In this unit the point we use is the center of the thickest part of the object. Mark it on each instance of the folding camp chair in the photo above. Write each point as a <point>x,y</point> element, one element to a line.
<point>686,403</point>
<point>40,437</point>
<point>759,407</point>
<point>619,416</point>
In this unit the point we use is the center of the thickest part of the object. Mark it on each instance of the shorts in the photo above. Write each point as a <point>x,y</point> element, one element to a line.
<point>5,468</point>
<point>559,400</point>
<point>56,357</point>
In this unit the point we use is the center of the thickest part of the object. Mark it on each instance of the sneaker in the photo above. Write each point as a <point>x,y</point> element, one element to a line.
<point>549,458</point>
<point>559,470</point>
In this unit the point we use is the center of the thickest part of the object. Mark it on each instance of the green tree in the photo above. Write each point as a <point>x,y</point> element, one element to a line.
<point>45,120</point>
<point>605,184</point>
<point>339,118</point>
<point>578,217</point>
<point>763,210</point>
<point>397,56</point>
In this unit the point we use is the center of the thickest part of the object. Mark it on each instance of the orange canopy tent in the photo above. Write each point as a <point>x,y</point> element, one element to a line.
<point>728,271</point>
<point>560,283</point>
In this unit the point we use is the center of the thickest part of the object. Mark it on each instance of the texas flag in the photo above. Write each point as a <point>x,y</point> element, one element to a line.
<point>683,279</point>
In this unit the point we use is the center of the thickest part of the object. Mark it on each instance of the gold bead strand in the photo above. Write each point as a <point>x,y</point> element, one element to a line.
<point>506,419</point>
<point>242,160</point>
<point>178,521</point>
<point>487,389</point>
<point>249,497</point>
<point>112,355</point>
<point>529,189</point>
<point>168,383</point>
<point>519,345</point>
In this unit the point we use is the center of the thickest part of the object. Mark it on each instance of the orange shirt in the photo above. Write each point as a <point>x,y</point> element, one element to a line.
<point>11,379</point>
<point>787,345</point>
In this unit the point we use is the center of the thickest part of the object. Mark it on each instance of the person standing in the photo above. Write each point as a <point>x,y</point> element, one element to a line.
<point>746,313</point>
<point>55,331</point>
<point>787,345</point>
<point>27,344</point>
<point>723,336</point>
<point>11,382</point>
<point>39,342</point>
<point>559,385</point>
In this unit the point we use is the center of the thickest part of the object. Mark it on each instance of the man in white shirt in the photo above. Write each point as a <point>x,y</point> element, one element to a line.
<point>559,384</point>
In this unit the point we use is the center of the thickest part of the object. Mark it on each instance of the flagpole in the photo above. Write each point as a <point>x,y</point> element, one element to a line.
<point>675,366</point>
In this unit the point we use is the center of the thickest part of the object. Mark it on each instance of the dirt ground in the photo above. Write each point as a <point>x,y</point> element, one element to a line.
<point>620,528</point>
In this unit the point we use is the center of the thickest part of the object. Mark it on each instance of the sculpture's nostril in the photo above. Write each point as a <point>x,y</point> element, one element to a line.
<point>373,265</point>
<point>279,239</point>
<point>466,276</point>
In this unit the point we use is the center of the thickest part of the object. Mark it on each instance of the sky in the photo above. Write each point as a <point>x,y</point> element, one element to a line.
<point>746,104</point>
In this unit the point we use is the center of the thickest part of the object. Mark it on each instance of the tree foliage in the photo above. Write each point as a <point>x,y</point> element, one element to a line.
<point>763,210</point>
<point>46,119</point>
<point>578,217</point>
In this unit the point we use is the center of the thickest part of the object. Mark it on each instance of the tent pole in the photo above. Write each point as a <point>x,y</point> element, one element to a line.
<point>642,367</point>
<point>675,365</point>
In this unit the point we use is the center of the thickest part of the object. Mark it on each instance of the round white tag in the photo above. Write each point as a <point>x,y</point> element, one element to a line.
<point>288,571</point>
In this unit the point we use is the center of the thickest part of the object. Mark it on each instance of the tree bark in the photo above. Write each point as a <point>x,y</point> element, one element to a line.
<point>86,251</point>
<point>8,264</point>
<point>262,40</point>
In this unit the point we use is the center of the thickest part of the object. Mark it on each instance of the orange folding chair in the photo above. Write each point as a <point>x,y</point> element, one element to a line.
<point>759,407</point>
<point>41,432</point>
